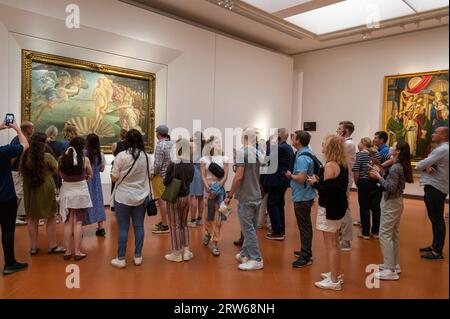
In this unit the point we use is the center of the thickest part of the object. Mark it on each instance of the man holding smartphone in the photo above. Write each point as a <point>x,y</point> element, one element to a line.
<point>346,129</point>
<point>8,200</point>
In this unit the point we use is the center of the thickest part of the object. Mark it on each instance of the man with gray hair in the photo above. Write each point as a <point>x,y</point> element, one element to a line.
<point>27,129</point>
<point>247,191</point>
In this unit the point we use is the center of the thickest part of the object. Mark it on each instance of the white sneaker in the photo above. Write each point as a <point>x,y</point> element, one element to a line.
<point>20,222</point>
<point>187,255</point>
<point>398,270</point>
<point>137,261</point>
<point>251,265</point>
<point>174,257</point>
<point>116,262</point>
<point>241,259</point>
<point>387,274</point>
<point>328,284</point>
<point>346,245</point>
<point>326,275</point>
<point>192,224</point>
<point>41,222</point>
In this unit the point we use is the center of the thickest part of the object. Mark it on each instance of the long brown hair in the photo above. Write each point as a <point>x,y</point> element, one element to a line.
<point>404,158</point>
<point>32,165</point>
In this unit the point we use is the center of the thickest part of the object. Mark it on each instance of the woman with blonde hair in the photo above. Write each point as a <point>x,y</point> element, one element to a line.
<point>69,132</point>
<point>367,187</point>
<point>332,187</point>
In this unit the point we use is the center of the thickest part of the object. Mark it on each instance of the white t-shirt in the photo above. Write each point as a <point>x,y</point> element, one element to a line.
<point>133,190</point>
<point>218,159</point>
<point>351,152</point>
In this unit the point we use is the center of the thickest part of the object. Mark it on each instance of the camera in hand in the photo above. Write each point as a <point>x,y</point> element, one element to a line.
<point>9,119</point>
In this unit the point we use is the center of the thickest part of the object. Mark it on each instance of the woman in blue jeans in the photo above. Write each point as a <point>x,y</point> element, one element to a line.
<point>131,172</point>
<point>367,187</point>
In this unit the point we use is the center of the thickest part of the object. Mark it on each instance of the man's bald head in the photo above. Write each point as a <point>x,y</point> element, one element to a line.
<point>440,135</point>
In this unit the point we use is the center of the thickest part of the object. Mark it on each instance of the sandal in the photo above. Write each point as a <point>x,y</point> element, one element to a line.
<point>34,251</point>
<point>56,250</point>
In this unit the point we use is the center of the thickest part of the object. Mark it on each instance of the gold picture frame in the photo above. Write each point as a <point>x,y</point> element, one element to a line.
<point>414,105</point>
<point>139,87</point>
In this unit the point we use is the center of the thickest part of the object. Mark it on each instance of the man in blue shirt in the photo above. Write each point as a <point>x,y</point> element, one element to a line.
<point>379,140</point>
<point>303,196</point>
<point>8,200</point>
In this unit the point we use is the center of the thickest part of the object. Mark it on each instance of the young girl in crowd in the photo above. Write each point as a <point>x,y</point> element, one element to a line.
<point>183,170</point>
<point>196,187</point>
<point>393,182</point>
<point>214,188</point>
<point>96,214</point>
<point>37,168</point>
<point>75,169</point>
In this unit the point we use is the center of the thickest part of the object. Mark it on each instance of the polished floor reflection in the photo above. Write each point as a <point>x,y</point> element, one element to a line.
<point>207,276</point>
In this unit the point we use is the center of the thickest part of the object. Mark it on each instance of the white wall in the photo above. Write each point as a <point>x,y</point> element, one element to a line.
<point>200,75</point>
<point>346,83</point>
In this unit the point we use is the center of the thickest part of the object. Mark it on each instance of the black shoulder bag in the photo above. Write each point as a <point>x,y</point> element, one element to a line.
<point>151,208</point>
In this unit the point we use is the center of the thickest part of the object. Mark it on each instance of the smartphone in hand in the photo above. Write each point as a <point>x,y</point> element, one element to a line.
<point>9,119</point>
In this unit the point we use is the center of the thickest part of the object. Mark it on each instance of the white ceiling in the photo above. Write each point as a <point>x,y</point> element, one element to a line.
<point>296,26</point>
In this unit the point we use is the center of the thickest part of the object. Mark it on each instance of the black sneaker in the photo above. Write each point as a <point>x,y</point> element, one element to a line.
<point>8,270</point>
<point>297,253</point>
<point>302,262</point>
<point>273,236</point>
<point>100,232</point>
<point>432,255</point>
<point>239,242</point>
<point>426,249</point>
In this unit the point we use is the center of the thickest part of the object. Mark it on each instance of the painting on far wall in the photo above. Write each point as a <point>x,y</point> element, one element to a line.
<point>415,105</point>
<point>96,98</point>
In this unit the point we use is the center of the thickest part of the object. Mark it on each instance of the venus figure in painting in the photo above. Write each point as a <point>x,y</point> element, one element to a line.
<point>101,98</point>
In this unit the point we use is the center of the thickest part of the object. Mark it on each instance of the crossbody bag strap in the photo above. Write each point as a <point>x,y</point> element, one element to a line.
<point>134,162</point>
<point>148,175</point>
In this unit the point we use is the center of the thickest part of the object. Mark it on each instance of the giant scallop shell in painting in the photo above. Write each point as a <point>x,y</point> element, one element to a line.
<point>84,127</point>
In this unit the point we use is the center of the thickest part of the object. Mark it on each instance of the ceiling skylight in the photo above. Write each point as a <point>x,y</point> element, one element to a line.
<point>427,5</point>
<point>272,6</point>
<point>350,13</point>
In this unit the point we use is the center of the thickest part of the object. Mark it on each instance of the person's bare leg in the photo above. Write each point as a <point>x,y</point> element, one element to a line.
<point>77,234</point>
<point>33,231</point>
<point>193,207</point>
<point>200,207</point>
<point>101,225</point>
<point>51,232</point>
<point>68,230</point>
<point>163,209</point>
<point>333,255</point>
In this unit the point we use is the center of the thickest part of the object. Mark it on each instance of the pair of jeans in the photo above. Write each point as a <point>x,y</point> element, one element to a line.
<point>365,188</point>
<point>435,202</point>
<point>136,214</point>
<point>275,207</point>
<point>391,211</point>
<point>8,214</point>
<point>248,218</point>
<point>303,215</point>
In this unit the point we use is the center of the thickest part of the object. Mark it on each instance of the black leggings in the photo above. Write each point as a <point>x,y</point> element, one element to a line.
<point>8,214</point>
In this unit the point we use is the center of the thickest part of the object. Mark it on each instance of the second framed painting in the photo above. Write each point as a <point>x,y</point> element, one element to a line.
<point>415,105</point>
<point>93,97</point>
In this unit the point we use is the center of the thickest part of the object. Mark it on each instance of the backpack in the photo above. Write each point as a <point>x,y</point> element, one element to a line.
<point>318,166</point>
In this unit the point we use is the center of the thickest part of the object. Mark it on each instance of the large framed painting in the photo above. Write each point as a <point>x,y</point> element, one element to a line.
<point>95,98</point>
<point>415,105</point>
